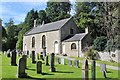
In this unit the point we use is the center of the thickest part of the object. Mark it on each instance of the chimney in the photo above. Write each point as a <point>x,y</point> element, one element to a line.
<point>35,23</point>
<point>86,30</point>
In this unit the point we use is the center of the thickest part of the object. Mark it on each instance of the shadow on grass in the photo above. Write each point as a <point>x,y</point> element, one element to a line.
<point>31,69</point>
<point>63,72</point>
<point>46,74</point>
<point>29,77</point>
<point>109,72</point>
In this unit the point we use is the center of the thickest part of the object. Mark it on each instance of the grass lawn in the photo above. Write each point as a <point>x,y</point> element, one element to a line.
<point>62,71</point>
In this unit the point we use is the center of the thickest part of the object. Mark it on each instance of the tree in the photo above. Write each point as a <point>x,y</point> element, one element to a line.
<point>11,39</point>
<point>58,10</point>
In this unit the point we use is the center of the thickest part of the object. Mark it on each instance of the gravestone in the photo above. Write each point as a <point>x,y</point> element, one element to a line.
<point>13,58</point>
<point>103,69</point>
<point>93,69</point>
<point>46,61</point>
<point>25,57</point>
<point>52,68</point>
<point>37,56</point>
<point>57,60</point>
<point>63,61</point>
<point>41,57</point>
<point>21,68</point>
<point>33,57</point>
<point>76,63</point>
<point>44,51</point>
<point>39,67</point>
<point>27,52</point>
<point>8,53</point>
<point>69,62</point>
<point>85,70</point>
<point>5,53</point>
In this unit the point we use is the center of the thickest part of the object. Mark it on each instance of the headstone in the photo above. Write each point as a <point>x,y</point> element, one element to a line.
<point>63,61</point>
<point>46,61</point>
<point>41,57</point>
<point>103,69</point>
<point>13,58</point>
<point>93,69</point>
<point>25,57</point>
<point>5,53</point>
<point>52,68</point>
<point>76,63</point>
<point>44,52</point>
<point>69,62</point>
<point>27,52</point>
<point>37,56</point>
<point>21,68</point>
<point>8,53</point>
<point>57,60</point>
<point>33,57</point>
<point>85,70</point>
<point>39,67</point>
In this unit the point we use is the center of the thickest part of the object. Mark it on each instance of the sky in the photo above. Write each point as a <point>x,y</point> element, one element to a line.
<point>18,10</point>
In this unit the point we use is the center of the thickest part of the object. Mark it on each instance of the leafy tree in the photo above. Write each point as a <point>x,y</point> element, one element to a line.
<point>58,10</point>
<point>99,43</point>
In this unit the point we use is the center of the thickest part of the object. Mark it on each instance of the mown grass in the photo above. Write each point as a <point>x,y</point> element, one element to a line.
<point>99,61</point>
<point>62,71</point>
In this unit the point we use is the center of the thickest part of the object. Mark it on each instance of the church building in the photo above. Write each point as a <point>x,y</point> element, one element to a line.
<point>59,37</point>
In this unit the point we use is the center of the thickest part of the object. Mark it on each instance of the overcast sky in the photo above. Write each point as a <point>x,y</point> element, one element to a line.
<point>18,10</point>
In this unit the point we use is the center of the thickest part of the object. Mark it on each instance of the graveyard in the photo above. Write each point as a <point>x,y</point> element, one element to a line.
<point>58,69</point>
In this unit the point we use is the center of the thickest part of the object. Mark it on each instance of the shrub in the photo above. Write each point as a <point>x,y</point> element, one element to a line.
<point>99,43</point>
<point>90,53</point>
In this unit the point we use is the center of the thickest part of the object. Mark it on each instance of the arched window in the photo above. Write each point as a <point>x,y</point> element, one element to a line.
<point>56,47</point>
<point>43,41</point>
<point>73,46</point>
<point>33,42</point>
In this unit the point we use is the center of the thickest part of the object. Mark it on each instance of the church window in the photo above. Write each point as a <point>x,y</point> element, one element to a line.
<point>73,46</point>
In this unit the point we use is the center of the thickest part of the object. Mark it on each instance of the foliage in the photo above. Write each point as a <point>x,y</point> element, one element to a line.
<point>58,10</point>
<point>90,53</point>
<point>99,43</point>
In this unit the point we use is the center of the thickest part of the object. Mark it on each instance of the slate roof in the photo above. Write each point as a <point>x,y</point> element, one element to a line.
<point>76,37</point>
<point>48,27</point>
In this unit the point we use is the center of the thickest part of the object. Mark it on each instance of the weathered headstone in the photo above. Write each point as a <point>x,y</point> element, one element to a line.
<point>57,60</point>
<point>8,53</point>
<point>21,68</point>
<point>46,61</point>
<point>85,70</point>
<point>52,68</point>
<point>25,57</point>
<point>33,57</point>
<point>41,57</point>
<point>13,58</point>
<point>44,51</point>
<point>93,69</point>
<point>63,61</point>
<point>76,63</point>
<point>103,69</point>
<point>39,67</point>
<point>69,62</point>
